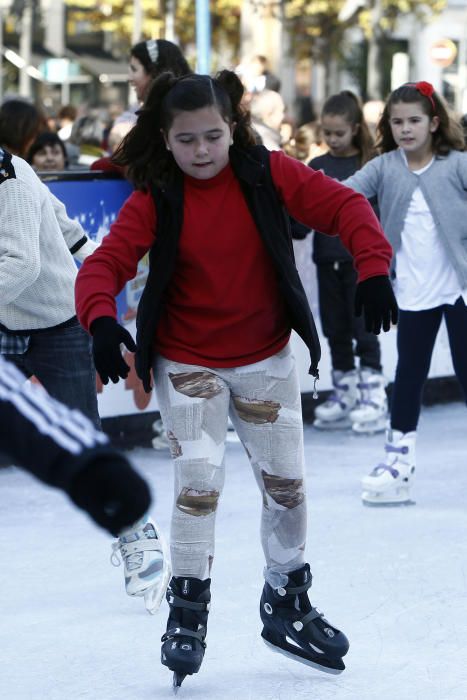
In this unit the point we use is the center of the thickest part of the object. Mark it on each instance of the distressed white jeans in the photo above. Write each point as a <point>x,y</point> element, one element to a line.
<point>263,401</point>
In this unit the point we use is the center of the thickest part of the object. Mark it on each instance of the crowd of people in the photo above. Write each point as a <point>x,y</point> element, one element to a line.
<point>222,180</point>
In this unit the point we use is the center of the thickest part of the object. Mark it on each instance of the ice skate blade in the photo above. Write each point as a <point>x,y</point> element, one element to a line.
<point>388,504</point>
<point>367,429</point>
<point>178,679</point>
<point>306,662</point>
<point>332,426</point>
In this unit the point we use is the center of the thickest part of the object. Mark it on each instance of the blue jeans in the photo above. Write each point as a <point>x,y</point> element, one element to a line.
<point>61,359</point>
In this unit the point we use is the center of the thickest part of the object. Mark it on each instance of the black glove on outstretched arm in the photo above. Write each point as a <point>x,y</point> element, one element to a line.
<point>107,335</point>
<point>375,298</point>
<point>111,491</point>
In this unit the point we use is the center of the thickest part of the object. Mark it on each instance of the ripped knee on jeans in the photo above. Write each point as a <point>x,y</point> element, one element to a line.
<point>197,502</point>
<point>288,493</point>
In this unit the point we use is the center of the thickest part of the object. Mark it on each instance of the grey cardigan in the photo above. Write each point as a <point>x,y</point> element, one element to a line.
<point>444,186</point>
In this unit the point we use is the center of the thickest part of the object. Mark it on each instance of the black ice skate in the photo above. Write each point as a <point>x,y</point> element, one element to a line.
<point>294,628</point>
<point>183,644</point>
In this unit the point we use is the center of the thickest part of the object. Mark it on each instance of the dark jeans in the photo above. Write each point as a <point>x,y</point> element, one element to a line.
<point>61,360</point>
<point>337,283</point>
<point>416,335</point>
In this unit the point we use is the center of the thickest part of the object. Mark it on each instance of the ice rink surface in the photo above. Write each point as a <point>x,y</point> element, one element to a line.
<point>393,579</point>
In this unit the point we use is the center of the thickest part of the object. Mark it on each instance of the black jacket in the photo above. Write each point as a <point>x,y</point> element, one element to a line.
<point>251,167</point>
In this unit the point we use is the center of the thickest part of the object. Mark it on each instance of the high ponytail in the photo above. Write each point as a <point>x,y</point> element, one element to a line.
<point>243,134</point>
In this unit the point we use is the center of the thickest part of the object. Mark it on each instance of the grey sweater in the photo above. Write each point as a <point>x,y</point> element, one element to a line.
<point>443,185</point>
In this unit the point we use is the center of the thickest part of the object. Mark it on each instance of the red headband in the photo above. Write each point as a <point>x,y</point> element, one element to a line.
<point>425,89</point>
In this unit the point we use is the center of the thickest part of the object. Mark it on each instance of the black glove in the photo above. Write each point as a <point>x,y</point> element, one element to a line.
<point>113,494</point>
<point>374,296</point>
<point>107,335</point>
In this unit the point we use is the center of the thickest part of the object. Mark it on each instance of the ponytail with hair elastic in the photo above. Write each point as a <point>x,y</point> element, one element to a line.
<point>243,135</point>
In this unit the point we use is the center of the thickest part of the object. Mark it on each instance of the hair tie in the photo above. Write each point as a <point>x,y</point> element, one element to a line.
<point>425,89</point>
<point>152,49</point>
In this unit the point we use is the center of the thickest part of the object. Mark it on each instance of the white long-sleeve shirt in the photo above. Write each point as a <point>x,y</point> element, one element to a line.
<point>37,243</point>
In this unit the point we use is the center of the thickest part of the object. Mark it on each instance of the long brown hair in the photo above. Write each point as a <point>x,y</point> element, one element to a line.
<point>447,137</point>
<point>347,105</point>
<point>143,150</point>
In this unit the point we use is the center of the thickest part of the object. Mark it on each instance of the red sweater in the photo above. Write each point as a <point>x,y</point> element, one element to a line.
<point>223,307</point>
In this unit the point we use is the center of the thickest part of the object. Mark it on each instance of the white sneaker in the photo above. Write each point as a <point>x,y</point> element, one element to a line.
<point>389,482</point>
<point>143,550</point>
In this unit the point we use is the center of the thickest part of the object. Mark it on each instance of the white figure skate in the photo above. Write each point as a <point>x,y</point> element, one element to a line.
<point>371,412</point>
<point>389,483</point>
<point>333,414</point>
<point>144,552</point>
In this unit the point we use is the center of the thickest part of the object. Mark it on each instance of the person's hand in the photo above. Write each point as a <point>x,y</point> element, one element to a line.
<point>375,299</point>
<point>107,335</point>
<point>111,491</point>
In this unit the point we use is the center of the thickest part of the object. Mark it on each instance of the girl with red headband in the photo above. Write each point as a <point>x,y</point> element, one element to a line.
<point>420,181</point>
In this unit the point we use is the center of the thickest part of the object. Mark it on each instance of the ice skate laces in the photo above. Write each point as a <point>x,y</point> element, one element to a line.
<point>336,396</point>
<point>365,395</point>
<point>121,550</point>
<point>365,389</point>
<point>388,467</point>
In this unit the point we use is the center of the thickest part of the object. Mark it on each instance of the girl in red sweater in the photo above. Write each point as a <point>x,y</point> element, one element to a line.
<point>214,323</point>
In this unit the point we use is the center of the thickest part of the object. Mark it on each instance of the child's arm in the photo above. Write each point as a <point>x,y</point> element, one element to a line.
<point>104,274</point>
<point>367,179</point>
<point>326,205</point>
<point>63,449</point>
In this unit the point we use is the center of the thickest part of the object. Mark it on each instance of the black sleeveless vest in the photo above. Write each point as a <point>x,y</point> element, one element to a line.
<point>251,167</point>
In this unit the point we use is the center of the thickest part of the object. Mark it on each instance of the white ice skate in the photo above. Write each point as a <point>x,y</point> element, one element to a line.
<point>389,483</point>
<point>144,552</point>
<point>333,414</point>
<point>371,412</point>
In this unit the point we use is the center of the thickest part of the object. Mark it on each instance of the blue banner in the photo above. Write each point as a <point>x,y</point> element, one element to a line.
<point>95,203</point>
